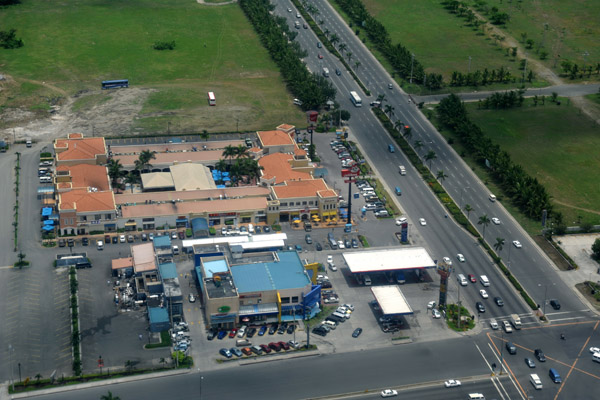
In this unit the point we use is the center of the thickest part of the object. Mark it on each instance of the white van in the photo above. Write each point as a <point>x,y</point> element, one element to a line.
<point>45,179</point>
<point>484,280</point>
<point>475,396</point>
<point>462,280</point>
<point>250,228</point>
<point>535,381</point>
<point>367,280</point>
<point>402,170</point>
<point>492,197</point>
<point>100,245</point>
<point>596,357</point>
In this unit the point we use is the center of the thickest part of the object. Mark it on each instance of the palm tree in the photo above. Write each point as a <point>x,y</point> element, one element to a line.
<point>229,152</point>
<point>485,221</point>
<point>389,109</point>
<point>241,151</point>
<point>143,161</point>
<point>499,243</point>
<point>115,172</point>
<point>129,365</point>
<point>38,377</point>
<point>381,99</point>
<point>131,179</point>
<point>109,396</point>
<point>334,39</point>
<point>357,64</point>
<point>430,156</point>
<point>342,47</point>
<point>468,209</point>
<point>162,361</point>
<point>418,144</point>
<point>221,165</point>
<point>349,56</point>
<point>204,135</point>
<point>441,176</point>
<point>326,32</point>
<point>407,133</point>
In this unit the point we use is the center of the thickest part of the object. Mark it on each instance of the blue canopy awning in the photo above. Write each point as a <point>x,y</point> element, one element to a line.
<point>49,222</point>
<point>48,228</point>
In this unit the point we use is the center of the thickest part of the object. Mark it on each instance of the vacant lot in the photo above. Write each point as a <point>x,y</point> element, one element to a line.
<point>427,30</point>
<point>557,145</point>
<point>566,29</point>
<point>71,47</point>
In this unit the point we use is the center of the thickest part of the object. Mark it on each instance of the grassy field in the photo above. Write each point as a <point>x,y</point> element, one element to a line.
<point>566,28</point>
<point>75,45</point>
<point>425,28</point>
<point>555,144</point>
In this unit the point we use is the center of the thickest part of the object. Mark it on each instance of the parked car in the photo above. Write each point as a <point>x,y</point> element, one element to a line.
<point>144,237</point>
<point>226,353</point>
<point>115,239</point>
<point>233,332</point>
<point>122,238</point>
<point>262,330</point>
<point>85,241</point>
<point>62,242</point>
<point>357,332</point>
<point>247,351</point>
<point>308,239</point>
<point>284,345</point>
<point>319,331</point>
<point>318,246</point>
<point>265,348</point>
<point>221,334</point>
<point>191,298</point>
<point>275,346</point>
<point>236,352</point>
<point>291,328</point>
<point>354,243</point>
<point>436,314</point>
<point>211,334</point>
<point>293,344</point>
<point>273,329</point>
<point>242,331</point>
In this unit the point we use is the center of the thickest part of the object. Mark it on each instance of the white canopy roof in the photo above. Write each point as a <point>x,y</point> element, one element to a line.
<point>388,259</point>
<point>391,300</point>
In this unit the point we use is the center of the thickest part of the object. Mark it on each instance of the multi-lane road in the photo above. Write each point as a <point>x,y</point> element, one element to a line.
<point>441,235</point>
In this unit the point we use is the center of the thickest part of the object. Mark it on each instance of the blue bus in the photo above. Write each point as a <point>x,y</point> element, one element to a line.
<point>119,83</point>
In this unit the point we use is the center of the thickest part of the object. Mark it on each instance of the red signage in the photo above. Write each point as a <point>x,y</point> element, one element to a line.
<point>312,116</point>
<point>351,172</point>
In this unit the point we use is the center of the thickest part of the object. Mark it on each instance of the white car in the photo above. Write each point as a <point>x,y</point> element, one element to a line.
<point>400,221</point>
<point>341,244</point>
<point>122,238</point>
<point>594,350</point>
<point>298,15</point>
<point>506,326</point>
<point>389,393</point>
<point>242,331</point>
<point>322,277</point>
<point>191,298</point>
<point>349,306</point>
<point>289,9</point>
<point>430,305</point>
<point>460,257</point>
<point>483,293</point>
<point>422,221</point>
<point>330,258</point>
<point>517,244</point>
<point>496,221</point>
<point>452,383</point>
<point>436,314</point>
<point>332,266</point>
<point>447,260</point>
<point>493,324</point>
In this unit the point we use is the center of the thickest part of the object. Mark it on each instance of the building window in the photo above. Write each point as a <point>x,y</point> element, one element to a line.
<point>297,203</point>
<point>311,202</point>
<point>304,203</point>
<point>98,217</point>
<point>83,218</point>
<point>283,204</point>
<point>148,220</point>
<point>108,216</point>
<point>285,300</point>
<point>294,299</point>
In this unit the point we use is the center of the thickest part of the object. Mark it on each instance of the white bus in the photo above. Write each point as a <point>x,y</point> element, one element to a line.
<point>355,99</point>
<point>212,100</point>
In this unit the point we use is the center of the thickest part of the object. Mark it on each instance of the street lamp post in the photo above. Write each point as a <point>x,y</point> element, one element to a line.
<point>545,296</point>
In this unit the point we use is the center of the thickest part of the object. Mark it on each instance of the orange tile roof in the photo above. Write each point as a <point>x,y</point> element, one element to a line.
<point>119,263</point>
<point>87,175</point>
<point>79,148</point>
<point>277,166</point>
<point>286,127</point>
<point>299,152</point>
<point>191,195</point>
<point>274,138</point>
<point>83,201</point>
<point>307,188</point>
<point>194,207</point>
<point>175,147</point>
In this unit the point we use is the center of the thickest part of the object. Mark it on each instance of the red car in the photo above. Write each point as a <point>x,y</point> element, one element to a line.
<point>320,56</point>
<point>233,332</point>
<point>284,345</point>
<point>181,235</point>
<point>265,348</point>
<point>472,278</point>
<point>247,351</point>
<point>275,346</point>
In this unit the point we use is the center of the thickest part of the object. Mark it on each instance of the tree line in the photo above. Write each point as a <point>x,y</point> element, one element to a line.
<point>498,100</point>
<point>526,192</point>
<point>313,90</point>
<point>401,59</point>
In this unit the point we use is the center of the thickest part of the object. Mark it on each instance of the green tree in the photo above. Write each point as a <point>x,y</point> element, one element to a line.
<point>349,56</point>
<point>204,135</point>
<point>131,179</point>
<point>441,176</point>
<point>389,110</point>
<point>430,156</point>
<point>115,172</point>
<point>109,396</point>
<point>38,377</point>
<point>342,47</point>
<point>143,161</point>
<point>468,209</point>
<point>418,144</point>
<point>221,165</point>
<point>485,221</point>
<point>596,248</point>
<point>230,152</point>
<point>334,39</point>
<point>499,244</point>
<point>357,64</point>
